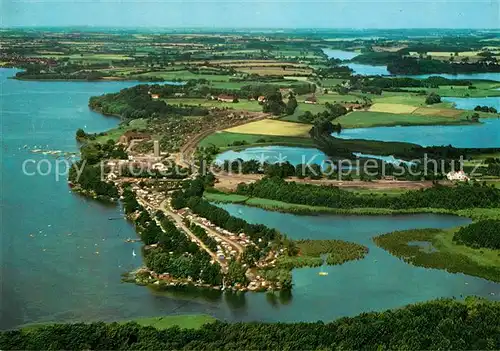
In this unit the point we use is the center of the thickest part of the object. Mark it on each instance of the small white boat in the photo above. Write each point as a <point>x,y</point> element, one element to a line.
<point>133,253</point>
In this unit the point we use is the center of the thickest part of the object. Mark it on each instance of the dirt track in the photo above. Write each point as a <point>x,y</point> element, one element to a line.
<point>230,182</point>
<point>185,155</point>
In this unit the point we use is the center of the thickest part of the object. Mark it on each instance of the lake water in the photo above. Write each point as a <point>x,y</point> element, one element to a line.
<point>483,76</point>
<point>356,67</point>
<point>469,103</point>
<point>478,135</point>
<point>379,281</point>
<point>62,257</point>
<point>273,154</point>
<point>366,70</point>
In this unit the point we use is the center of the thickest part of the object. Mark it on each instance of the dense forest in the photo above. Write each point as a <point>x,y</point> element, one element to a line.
<point>480,234</point>
<point>437,325</point>
<point>87,174</point>
<point>406,65</point>
<point>453,198</point>
<point>136,102</point>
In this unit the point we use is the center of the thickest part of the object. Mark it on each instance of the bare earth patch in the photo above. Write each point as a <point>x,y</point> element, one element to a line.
<point>229,182</point>
<point>444,112</point>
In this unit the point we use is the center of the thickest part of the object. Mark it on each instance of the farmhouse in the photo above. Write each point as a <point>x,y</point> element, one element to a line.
<point>155,96</point>
<point>311,100</point>
<point>457,176</point>
<point>131,135</point>
<point>261,98</point>
<point>285,91</point>
<point>226,98</point>
<point>352,106</point>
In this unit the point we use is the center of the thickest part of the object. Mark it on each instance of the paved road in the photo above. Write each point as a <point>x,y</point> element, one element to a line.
<point>180,223</point>
<point>233,243</point>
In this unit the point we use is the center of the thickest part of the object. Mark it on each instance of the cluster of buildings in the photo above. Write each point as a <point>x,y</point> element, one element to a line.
<point>15,58</point>
<point>225,250</point>
<point>152,198</point>
<point>459,176</point>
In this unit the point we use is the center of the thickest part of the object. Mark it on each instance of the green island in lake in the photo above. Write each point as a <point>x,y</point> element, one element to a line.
<point>249,188</point>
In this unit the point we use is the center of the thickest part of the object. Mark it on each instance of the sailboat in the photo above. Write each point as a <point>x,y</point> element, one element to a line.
<point>133,253</point>
<point>322,272</point>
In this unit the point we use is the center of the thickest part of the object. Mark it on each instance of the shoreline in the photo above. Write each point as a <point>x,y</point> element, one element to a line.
<point>298,209</point>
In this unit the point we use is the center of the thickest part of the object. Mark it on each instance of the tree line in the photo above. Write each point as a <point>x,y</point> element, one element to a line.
<point>408,65</point>
<point>480,234</point>
<point>438,196</point>
<point>444,324</point>
<point>136,102</point>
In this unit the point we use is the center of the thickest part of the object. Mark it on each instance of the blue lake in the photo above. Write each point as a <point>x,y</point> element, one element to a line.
<point>486,134</point>
<point>356,67</point>
<point>482,76</point>
<point>365,70</point>
<point>62,257</point>
<point>273,154</point>
<point>469,103</point>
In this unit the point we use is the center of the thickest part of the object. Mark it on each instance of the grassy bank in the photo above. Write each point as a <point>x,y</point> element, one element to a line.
<point>311,253</point>
<point>184,321</point>
<point>188,321</point>
<point>368,119</point>
<point>225,140</point>
<point>286,207</point>
<point>445,255</point>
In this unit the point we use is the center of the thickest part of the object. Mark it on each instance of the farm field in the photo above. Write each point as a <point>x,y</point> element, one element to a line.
<point>241,105</point>
<point>275,71</point>
<point>483,89</point>
<point>392,108</point>
<point>226,140</point>
<point>333,98</point>
<point>301,108</point>
<point>365,119</point>
<point>273,127</point>
<point>408,109</point>
<point>89,57</point>
<point>185,75</point>
<point>400,98</point>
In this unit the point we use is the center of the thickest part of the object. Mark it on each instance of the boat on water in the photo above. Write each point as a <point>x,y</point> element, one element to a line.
<point>323,273</point>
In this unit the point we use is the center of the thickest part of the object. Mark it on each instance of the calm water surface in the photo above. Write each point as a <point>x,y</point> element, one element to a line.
<point>61,257</point>
<point>358,68</point>
<point>486,134</point>
<point>469,103</point>
<point>273,154</point>
<point>366,70</point>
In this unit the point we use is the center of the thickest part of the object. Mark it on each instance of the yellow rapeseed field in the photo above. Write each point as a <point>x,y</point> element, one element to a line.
<point>272,127</point>
<point>392,108</point>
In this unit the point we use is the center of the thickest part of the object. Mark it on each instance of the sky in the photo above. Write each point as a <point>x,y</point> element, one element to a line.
<point>253,13</point>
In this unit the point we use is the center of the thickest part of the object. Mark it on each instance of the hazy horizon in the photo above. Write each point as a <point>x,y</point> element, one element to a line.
<point>253,14</point>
